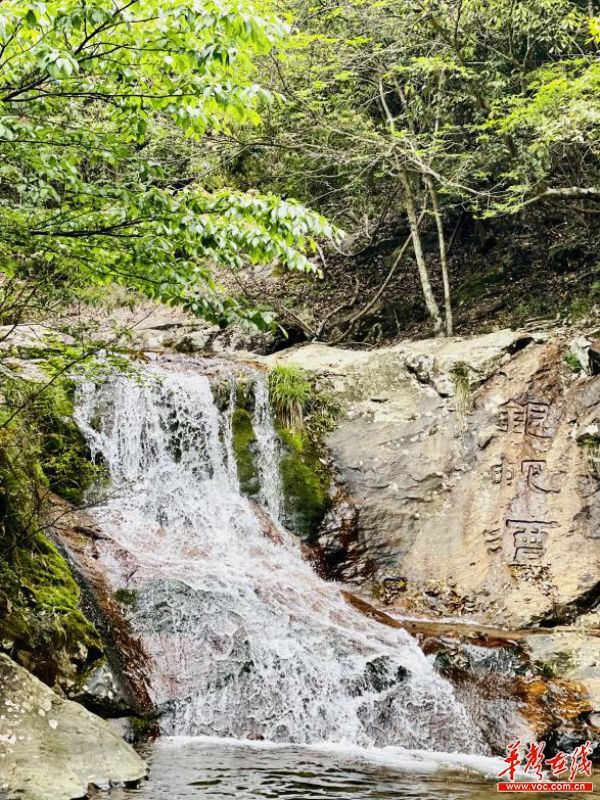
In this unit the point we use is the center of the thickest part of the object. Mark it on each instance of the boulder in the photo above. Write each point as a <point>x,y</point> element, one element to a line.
<point>473,479</point>
<point>54,748</point>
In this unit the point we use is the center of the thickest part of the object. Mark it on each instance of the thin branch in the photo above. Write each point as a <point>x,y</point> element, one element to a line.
<point>573,191</point>
<point>385,283</point>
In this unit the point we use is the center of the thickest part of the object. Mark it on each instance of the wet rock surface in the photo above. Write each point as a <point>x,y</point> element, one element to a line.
<point>54,748</point>
<point>102,691</point>
<point>118,684</point>
<point>510,679</point>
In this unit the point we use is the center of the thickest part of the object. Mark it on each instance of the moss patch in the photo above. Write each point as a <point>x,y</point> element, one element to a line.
<point>306,482</point>
<point>141,728</point>
<point>41,449</point>
<point>126,597</point>
<point>244,448</point>
<point>41,623</point>
<point>305,411</point>
<point>64,454</point>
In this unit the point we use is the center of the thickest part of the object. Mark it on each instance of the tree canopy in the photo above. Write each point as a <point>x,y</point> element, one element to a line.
<point>102,102</point>
<point>160,143</point>
<point>429,107</point>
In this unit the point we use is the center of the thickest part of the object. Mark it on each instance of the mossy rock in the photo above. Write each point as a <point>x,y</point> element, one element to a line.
<point>64,454</point>
<point>141,728</point>
<point>126,597</point>
<point>40,615</point>
<point>244,449</point>
<point>243,389</point>
<point>306,481</point>
<point>41,448</point>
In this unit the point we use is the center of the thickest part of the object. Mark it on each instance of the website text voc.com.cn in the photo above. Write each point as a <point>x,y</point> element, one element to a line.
<point>543,786</point>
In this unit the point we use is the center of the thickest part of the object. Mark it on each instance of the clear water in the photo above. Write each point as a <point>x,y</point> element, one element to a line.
<point>195,769</point>
<point>243,639</point>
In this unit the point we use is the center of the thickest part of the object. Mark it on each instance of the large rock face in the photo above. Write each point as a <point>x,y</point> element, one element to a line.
<point>54,748</point>
<point>472,463</point>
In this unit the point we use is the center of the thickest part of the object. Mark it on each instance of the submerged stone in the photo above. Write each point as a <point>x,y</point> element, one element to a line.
<point>381,674</point>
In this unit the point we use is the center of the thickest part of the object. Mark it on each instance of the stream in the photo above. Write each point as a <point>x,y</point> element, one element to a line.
<point>205,769</point>
<point>268,684</point>
<point>192,769</point>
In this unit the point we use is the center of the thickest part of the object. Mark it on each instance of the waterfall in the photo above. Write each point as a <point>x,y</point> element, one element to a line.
<point>268,450</point>
<point>245,640</point>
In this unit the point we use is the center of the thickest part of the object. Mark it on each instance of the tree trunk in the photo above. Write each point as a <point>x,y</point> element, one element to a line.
<point>443,254</point>
<point>411,211</point>
<point>413,221</point>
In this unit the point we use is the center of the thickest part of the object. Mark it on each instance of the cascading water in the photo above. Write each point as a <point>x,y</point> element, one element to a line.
<point>246,641</point>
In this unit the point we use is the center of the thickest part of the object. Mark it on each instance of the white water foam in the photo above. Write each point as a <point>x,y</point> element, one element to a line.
<point>400,759</point>
<point>246,641</point>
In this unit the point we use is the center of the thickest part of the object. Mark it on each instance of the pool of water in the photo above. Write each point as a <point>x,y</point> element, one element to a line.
<point>209,769</point>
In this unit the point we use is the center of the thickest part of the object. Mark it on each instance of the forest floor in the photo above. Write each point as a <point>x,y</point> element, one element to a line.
<point>503,275</point>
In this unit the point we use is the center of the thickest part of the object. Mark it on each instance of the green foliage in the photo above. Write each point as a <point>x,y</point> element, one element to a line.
<point>290,392</point>
<point>583,305</point>
<point>304,413</point>
<point>493,106</point>
<point>299,403</point>
<point>107,174</point>
<point>573,363</point>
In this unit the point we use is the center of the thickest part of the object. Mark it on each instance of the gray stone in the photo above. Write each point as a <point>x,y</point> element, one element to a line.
<point>102,691</point>
<point>580,348</point>
<point>479,496</point>
<point>54,748</point>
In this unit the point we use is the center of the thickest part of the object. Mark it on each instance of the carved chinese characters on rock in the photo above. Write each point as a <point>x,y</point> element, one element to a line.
<point>525,539</point>
<point>532,472</point>
<point>530,418</point>
<point>529,539</point>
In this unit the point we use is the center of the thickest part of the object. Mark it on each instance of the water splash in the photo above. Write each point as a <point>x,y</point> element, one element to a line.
<point>227,434</point>
<point>246,640</point>
<point>271,492</point>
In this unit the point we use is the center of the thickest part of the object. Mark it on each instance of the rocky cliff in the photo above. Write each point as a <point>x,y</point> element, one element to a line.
<point>473,465</point>
<point>470,468</point>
